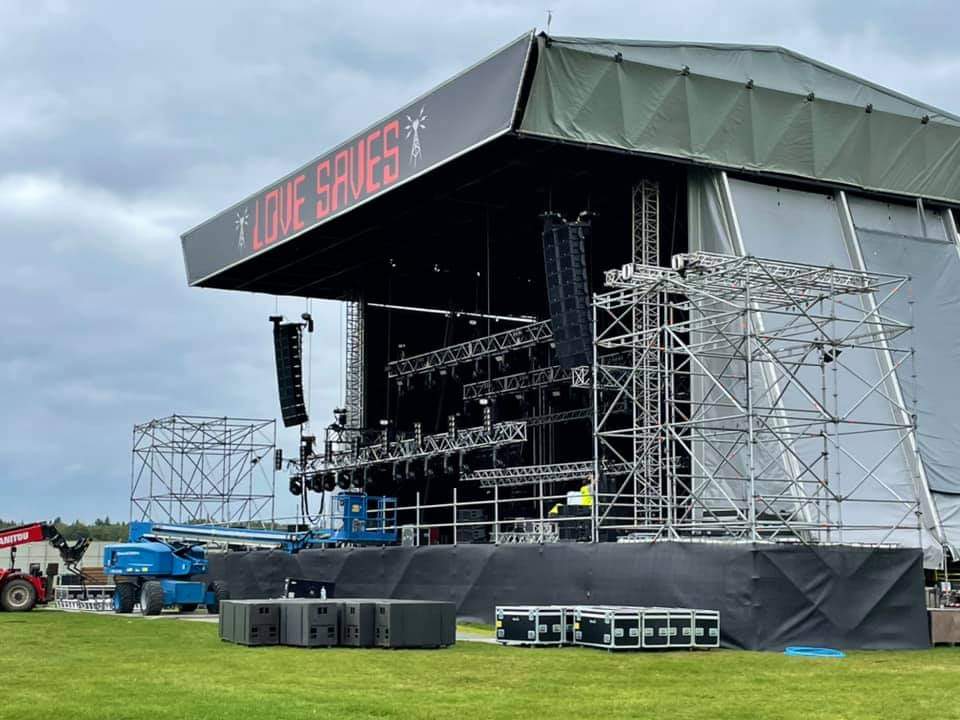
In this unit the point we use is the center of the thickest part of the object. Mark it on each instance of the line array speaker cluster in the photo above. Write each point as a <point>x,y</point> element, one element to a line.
<point>287,344</point>
<point>568,289</point>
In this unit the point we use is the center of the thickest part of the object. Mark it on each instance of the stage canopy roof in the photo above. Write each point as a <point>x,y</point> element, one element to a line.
<point>762,110</point>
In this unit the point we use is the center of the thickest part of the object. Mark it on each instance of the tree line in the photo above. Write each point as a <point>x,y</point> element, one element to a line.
<point>99,529</point>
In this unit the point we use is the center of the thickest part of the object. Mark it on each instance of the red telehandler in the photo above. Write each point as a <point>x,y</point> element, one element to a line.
<point>21,591</point>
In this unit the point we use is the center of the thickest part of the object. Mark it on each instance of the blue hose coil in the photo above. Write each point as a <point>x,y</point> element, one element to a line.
<point>801,651</point>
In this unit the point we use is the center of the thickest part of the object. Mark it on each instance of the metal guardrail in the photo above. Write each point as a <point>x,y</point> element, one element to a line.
<point>92,598</point>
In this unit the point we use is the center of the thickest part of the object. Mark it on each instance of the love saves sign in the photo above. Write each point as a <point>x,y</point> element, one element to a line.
<point>466,111</point>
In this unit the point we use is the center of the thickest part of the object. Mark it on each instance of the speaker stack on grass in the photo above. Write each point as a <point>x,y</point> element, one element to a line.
<point>303,622</point>
<point>608,627</point>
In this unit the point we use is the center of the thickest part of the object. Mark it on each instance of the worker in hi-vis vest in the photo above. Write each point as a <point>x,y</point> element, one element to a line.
<point>586,491</point>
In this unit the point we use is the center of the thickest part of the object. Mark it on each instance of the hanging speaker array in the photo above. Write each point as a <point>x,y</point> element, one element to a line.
<point>568,289</point>
<point>288,346</point>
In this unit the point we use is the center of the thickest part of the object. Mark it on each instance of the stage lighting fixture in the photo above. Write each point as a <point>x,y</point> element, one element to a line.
<point>397,472</point>
<point>329,482</point>
<point>278,459</point>
<point>452,426</point>
<point>306,445</point>
<point>308,319</point>
<point>487,418</point>
<point>418,434</point>
<point>361,478</point>
<point>465,466</point>
<point>449,466</point>
<point>296,485</point>
<point>340,416</point>
<point>429,469</point>
<point>410,472</point>
<point>343,480</point>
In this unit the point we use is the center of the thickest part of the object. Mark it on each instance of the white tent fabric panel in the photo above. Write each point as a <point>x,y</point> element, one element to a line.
<point>711,231</point>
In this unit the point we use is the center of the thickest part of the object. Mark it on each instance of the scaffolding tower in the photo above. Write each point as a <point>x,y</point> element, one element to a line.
<point>767,391</point>
<point>194,469</point>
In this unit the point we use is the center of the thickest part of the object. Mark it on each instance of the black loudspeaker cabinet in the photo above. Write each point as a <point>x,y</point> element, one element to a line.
<point>250,622</point>
<point>415,624</point>
<point>309,623</point>
<point>288,350</point>
<point>568,289</point>
<point>357,622</point>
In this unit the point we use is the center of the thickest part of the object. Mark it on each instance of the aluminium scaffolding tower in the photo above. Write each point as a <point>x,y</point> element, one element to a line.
<point>189,469</point>
<point>771,392</point>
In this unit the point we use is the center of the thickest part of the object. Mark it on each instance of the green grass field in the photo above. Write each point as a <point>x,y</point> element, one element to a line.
<point>86,666</point>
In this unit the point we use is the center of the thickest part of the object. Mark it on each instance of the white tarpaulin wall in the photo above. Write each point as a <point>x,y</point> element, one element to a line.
<point>740,217</point>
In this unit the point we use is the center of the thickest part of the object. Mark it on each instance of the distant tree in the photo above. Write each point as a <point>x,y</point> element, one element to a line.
<point>99,530</point>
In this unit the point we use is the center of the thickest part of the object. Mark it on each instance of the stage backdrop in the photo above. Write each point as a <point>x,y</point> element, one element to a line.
<point>768,596</point>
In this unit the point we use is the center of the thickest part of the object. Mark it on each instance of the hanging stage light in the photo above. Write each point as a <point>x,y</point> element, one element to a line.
<point>296,485</point>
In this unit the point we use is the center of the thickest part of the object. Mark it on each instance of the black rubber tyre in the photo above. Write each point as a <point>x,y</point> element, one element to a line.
<point>151,598</point>
<point>124,598</point>
<point>188,607</point>
<point>220,592</point>
<point>18,595</point>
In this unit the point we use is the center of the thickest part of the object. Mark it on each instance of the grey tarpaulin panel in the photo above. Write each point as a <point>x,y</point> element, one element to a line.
<point>768,596</point>
<point>764,109</point>
<point>890,241</point>
<point>805,227</point>
<point>932,379</point>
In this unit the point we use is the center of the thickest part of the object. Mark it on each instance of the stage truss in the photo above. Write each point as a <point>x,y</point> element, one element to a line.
<point>355,363</point>
<point>203,469</point>
<point>740,407</point>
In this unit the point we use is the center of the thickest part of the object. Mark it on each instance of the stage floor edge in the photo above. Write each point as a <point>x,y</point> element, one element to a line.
<point>769,596</point>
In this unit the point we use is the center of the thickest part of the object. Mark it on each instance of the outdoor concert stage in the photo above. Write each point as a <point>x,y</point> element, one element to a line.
<point>716,281</point>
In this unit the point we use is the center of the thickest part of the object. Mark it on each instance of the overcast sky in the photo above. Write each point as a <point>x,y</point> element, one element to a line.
<point>124,124</point>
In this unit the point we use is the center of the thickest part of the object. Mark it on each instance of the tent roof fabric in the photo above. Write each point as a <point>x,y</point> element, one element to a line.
<point>756,108</point>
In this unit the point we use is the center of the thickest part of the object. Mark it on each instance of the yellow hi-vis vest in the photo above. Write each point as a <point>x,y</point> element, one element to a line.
<point>586,495</point>
<point>555,510</point>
